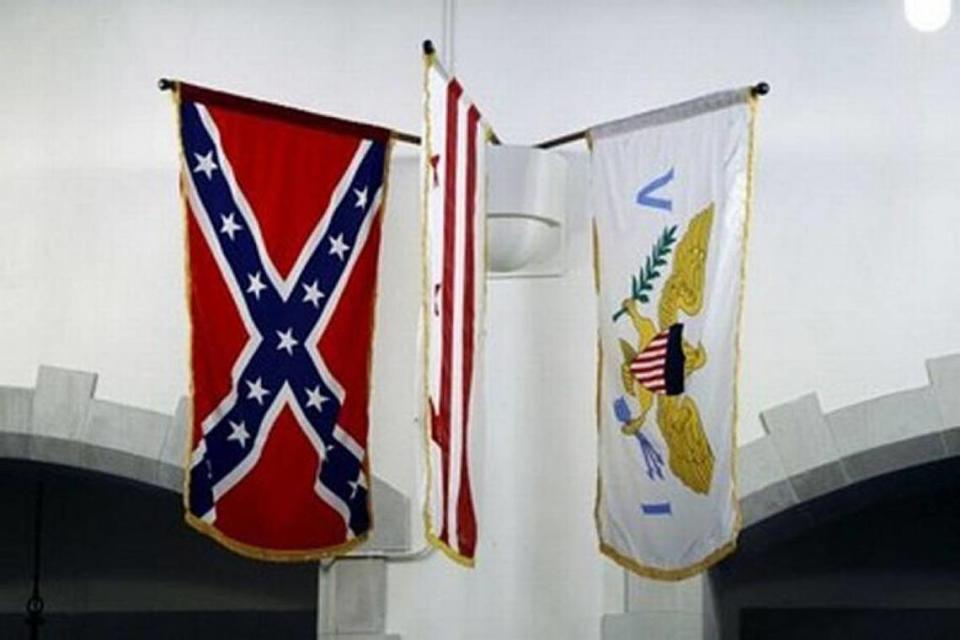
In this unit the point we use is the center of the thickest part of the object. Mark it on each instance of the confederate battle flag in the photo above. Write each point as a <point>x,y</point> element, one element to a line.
<point>283,215</point>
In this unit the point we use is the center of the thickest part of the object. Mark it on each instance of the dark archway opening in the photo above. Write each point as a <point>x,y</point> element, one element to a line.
<point>118,562</point>
<point>879,559</point>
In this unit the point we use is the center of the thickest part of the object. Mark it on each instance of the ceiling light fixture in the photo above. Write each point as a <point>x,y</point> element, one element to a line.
<point>927,15</point>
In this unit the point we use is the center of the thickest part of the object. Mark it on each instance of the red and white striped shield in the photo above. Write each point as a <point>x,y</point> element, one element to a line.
<point>455,138</point>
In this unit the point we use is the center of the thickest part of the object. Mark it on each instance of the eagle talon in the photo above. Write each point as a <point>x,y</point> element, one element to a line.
<point>633,427</point>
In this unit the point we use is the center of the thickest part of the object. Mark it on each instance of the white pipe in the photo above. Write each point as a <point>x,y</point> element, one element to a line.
<point>449,21</point>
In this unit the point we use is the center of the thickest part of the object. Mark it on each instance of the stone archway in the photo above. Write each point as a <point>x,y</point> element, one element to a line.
<point>113,475</point>
<point>60,422</point>
<point>876,559</point>
<point>806,456</point>
<point>117,561</point>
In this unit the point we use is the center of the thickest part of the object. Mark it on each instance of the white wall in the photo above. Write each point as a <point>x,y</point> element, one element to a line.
<point>853,258</point>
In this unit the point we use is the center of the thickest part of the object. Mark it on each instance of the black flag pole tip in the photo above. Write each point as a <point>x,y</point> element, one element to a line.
<point>428,49</point>
<point>760,89</point>
<point>165,84</point>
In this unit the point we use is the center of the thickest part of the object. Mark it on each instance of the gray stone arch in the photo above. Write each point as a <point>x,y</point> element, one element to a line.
<point>61,424</point>
<point>806,454</point>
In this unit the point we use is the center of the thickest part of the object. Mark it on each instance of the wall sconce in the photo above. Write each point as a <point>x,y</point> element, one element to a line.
<point>525,212</point>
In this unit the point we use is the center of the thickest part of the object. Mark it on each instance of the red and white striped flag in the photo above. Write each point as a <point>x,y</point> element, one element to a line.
<point>454,144</point>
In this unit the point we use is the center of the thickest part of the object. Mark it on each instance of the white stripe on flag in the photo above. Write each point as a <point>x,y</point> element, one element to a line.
<point>651,355</point>
<point>646,377</point>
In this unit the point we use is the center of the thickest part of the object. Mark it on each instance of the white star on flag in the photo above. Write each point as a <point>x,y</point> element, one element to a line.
<point>356,484</point>
<point>327,448</point>
<point>287,341</point>
<point>256,392</point>
<point>239,433</point>
<point>361,198</point>
<point>315,398</point>
<point>338,246</point>
<point>230,226</point>
<point>206,164</point>
<point>313,294</point>
<point>256,285</point>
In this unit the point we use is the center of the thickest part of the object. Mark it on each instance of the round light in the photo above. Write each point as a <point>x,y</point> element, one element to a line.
<point>927,15</point>
<point>526,197</point>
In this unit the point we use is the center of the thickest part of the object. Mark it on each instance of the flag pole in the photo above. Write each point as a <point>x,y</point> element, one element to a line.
<point>166,84</point>
<point>757,90</point>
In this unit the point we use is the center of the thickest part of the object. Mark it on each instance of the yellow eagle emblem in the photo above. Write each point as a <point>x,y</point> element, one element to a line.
<point>654,370</point>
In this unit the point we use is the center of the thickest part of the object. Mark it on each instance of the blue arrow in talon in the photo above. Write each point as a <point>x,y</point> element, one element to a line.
<point>646,197</point>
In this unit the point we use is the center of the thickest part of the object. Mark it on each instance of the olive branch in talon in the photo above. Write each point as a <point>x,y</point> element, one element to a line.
<point>640,284</point>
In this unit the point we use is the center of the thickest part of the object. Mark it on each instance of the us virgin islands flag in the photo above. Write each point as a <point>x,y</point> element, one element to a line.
<point>283,213</point>
<point>670,192</point>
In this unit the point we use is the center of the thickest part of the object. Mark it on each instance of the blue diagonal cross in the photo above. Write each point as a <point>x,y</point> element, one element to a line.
<point>284,324</point>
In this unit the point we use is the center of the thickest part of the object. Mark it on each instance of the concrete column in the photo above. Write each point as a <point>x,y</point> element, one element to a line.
<point>679,610</point>
<point>352,600</point>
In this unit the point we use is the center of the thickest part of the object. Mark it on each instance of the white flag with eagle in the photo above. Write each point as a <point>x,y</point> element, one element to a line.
<point>670,193</point>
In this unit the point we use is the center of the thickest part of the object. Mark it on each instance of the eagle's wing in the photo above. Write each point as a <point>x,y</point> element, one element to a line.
<point>694,357</point>
<point>629,353</point>
<point>684,288</point>
<point>690,456</point>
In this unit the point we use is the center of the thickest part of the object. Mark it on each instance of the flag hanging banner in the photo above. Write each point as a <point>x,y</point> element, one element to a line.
<point>671,195</point>
<point>454,181</point>
<point>283,216</point>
